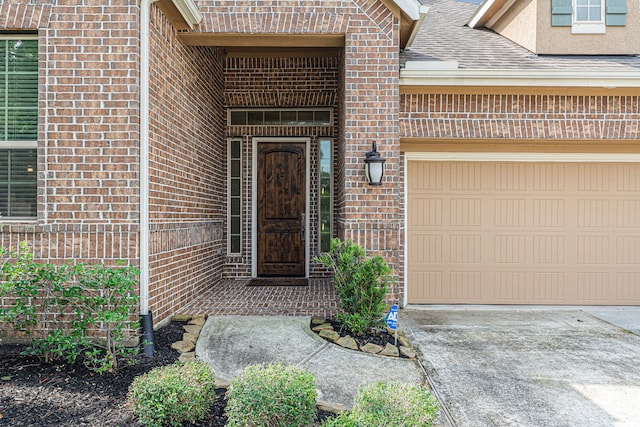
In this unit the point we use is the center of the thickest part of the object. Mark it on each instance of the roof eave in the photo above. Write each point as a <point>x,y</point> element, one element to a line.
<point>518,77</point>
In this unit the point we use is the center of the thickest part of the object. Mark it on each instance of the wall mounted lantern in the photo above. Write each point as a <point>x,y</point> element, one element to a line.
<point>374,166</point>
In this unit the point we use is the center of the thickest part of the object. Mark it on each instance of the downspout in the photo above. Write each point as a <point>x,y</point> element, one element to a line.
<point>145,314</point>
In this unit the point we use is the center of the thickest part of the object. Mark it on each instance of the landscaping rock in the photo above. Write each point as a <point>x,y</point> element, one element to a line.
<point>181,317</point>
<point>193,329</point>
<point>322,327</point>
<point>347,342</point>
<point>371,348</point>
<point>407,352</point>
<point>403,340</point>
<point>318,321</point>
<point>189,337</point>
<point>183,346</point>
<point>390,350</point>
<point>197,320</point>
<point>187,357</point>
<point>329,334</point>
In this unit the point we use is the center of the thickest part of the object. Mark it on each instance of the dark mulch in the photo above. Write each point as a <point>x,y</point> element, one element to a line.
<point>33,393</point>
<point>44,394</point>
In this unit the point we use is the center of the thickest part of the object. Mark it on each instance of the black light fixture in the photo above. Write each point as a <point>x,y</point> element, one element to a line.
<point>374,166</point>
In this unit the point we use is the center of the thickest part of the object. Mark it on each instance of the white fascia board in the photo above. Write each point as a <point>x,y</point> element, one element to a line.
<point>480,12</point>
<point>410,7</point>
<point>416,28</point>
<point>535,78</point>
<point>189,11</point>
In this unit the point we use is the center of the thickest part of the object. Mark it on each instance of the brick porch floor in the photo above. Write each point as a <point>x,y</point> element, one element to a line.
<point>234,297</point>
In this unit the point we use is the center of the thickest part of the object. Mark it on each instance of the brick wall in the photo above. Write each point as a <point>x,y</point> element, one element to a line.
<point>283,82</point>
<point>519,116</point>
<point>88,132</point>
<point>367,97</point>
<point>187,169</point>
<point>370,215</point>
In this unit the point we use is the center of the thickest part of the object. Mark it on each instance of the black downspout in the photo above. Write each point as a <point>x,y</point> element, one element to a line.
<point>147,334</point>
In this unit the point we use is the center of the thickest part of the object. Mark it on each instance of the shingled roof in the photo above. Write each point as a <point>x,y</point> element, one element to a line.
<point>445,37</point>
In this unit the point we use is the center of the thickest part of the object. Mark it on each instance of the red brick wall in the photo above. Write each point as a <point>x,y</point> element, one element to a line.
<point>371,215</point>
<point>284,82</point>
<point>187,169</point>
<point>88,169</point>
<point>88,131</point>
<point>368,98</point>
<point>520,116</point>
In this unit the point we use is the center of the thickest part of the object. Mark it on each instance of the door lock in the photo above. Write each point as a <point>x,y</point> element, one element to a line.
<point>303,226</point>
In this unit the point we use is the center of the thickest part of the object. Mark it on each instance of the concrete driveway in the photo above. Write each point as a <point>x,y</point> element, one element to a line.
<point>528,367</point>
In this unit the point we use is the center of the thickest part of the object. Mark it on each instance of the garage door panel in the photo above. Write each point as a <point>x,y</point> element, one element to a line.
<point>520,233</point>
<point>627,289</point>
<point>628,213</point>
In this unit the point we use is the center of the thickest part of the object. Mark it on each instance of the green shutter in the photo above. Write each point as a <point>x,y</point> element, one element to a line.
<point>561,13</point>
<point>616,13</point>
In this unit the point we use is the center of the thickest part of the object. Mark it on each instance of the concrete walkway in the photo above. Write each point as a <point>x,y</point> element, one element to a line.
<point>231,343</point>
<point>530,367</point>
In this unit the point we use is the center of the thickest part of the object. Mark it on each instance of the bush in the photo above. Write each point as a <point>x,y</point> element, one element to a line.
<point>361,283</point>
<point>390,405</point>
<point>272,395</point>
<point>173,394</point>
<point>63,307</point>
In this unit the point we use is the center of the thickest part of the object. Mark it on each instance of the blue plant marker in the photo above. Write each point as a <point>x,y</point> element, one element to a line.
<point>391,319</point>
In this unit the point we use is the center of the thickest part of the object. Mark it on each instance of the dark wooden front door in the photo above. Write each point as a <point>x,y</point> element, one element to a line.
<point>281,193</point>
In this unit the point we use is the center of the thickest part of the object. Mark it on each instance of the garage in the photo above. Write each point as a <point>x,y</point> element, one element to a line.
<point>523,232</point>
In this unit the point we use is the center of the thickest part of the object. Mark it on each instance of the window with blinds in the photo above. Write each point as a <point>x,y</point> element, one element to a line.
<point>18,125</point>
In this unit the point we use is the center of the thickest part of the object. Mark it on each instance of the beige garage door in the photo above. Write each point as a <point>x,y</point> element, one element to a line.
<point>523,233</point>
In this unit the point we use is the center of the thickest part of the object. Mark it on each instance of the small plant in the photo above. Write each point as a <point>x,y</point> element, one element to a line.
<point>272,395</point>
<point>361,283</point>
<point>173,394</point>
<point>390,404</point>
<point>63,308</point>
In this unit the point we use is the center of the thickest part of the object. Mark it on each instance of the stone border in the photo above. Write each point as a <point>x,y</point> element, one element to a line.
<point>323,328</point>
<point>187,346</point>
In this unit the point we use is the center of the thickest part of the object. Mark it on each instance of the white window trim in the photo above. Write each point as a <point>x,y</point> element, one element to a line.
<point>588,27</point>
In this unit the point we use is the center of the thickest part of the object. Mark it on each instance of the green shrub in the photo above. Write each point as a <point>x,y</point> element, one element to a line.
<point>361,283</point>
<point>62,308</point>
<point>173,394</point>
<point>390,404</point>
<point>272,395</point>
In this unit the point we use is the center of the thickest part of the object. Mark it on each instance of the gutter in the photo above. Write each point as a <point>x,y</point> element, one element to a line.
<point>430,74</point>
<point>147,321</point>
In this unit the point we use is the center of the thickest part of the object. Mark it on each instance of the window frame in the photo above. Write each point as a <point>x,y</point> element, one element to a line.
<point>230,196</point>
<point>320,211</point>
<point>23,145</point>
<point>588,27</point>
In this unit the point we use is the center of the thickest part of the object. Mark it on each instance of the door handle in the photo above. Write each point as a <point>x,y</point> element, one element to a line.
<point>303,226</point>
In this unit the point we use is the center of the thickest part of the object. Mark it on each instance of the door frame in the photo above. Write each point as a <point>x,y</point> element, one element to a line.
<point>254,197</point>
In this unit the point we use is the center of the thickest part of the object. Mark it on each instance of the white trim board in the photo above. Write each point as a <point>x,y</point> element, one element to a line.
<point>524,157</point>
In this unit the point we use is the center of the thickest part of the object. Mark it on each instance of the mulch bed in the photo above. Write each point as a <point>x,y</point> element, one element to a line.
<point>43,394</point>
<point>33,393</point>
